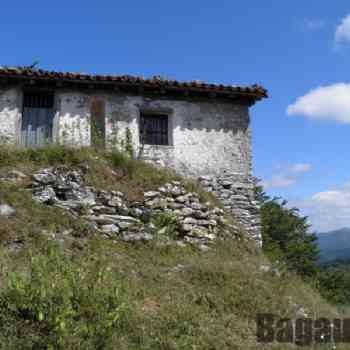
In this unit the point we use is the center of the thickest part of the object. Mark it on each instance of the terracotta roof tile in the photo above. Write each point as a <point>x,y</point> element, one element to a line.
<point>255,92</point>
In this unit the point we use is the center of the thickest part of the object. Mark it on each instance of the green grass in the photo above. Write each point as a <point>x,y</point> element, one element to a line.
<point>172,298</point>
<point>108,170</point>
<point>44,156</point>
<point>204,196</point>
<point>57,302</point>
<point>33,218</point>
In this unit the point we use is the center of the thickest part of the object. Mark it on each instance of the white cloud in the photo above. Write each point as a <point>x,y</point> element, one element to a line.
<point>278,181</point>
<point>330,102</point>
<point>300,168</point>
<point>288,177</point>
<point>342,32</point>
<point>327,210</point>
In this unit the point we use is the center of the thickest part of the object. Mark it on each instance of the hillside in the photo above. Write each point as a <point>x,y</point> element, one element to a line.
<point>334,244</point>
<point>65,283</point>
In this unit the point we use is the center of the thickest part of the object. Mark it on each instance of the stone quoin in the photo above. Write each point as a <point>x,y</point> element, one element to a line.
<point>198,129</point>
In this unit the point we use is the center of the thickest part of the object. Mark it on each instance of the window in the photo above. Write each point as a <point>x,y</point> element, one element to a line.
<point>36,100</point>
<point>154,129</point>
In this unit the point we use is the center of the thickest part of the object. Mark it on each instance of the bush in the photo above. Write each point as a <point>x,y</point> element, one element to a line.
<point>166,224</point>
<point>334,282</point>
<point>62,303</point>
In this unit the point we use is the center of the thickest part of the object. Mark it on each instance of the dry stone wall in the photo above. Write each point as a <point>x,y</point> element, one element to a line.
<point>237,194</point>
<point>183,218</point>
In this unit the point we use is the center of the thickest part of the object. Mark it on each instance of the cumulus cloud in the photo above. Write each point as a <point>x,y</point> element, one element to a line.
<point>330,102</point>
<point>327,210</point>
<point>342,32</point>
<point>288,177</point>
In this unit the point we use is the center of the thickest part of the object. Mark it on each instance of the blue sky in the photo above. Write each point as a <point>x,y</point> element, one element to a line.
<point>290,47</point>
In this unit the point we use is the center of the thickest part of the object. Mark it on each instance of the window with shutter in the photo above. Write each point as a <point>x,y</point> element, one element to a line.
<point>154,129</point>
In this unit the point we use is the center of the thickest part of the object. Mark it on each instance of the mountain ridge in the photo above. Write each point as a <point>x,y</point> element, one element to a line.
<point>334,244</point>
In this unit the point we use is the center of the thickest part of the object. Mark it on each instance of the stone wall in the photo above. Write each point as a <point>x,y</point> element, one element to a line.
<point>171,213</point>
<point>237,194</point>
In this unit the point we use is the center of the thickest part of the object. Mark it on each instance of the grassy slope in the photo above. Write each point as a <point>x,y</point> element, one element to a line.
<point>209,301</point>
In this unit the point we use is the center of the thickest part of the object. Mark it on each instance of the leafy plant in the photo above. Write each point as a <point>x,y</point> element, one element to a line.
<point>166,224</point>
<point>97,135</point>
<point>60,302</point>
<point>129,148</point>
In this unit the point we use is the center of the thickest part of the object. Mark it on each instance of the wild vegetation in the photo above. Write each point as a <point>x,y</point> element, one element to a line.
<point>287,237</point>
<point>90,293</point>
<point>290,244</point>
<point>334,282</point>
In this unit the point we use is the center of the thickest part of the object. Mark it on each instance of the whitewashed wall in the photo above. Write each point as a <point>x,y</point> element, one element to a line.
<point>73,119</point>
<point>207,137</point>
<point>10,107</point>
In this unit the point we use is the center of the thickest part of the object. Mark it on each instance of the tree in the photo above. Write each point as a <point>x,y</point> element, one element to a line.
<point>286,235</point>
<point>334,283</point>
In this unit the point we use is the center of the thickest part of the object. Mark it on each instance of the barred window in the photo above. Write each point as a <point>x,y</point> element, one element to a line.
<point>154,129</point>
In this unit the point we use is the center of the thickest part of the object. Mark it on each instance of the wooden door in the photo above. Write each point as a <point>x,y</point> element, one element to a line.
<point>37,120</point>
<point>98,123</point>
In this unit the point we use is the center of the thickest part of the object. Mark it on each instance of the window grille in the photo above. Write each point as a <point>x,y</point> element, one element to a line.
<point>154,129</point>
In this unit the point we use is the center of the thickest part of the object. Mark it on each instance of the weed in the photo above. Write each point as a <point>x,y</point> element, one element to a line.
<point>31,217</point>
<point>124,296</point>
<point>204,196</point>
<point>60,303</point>
<point>166,225</point>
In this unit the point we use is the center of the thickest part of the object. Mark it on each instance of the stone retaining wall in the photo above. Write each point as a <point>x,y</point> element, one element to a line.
<point>236,191</point>
<point>189,220</point>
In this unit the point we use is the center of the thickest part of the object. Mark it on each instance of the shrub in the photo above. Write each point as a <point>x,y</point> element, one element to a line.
<point>165,224</point>
<point>62,303</point>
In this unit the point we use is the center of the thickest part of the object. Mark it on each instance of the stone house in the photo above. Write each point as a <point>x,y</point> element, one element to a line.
<point>201,130</point>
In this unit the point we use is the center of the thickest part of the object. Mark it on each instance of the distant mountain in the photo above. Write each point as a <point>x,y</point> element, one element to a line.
<point>334,245</point>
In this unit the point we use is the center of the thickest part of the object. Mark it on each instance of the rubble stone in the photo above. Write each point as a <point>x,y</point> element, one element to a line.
<point>6,210</point>
<point>112,215</point>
